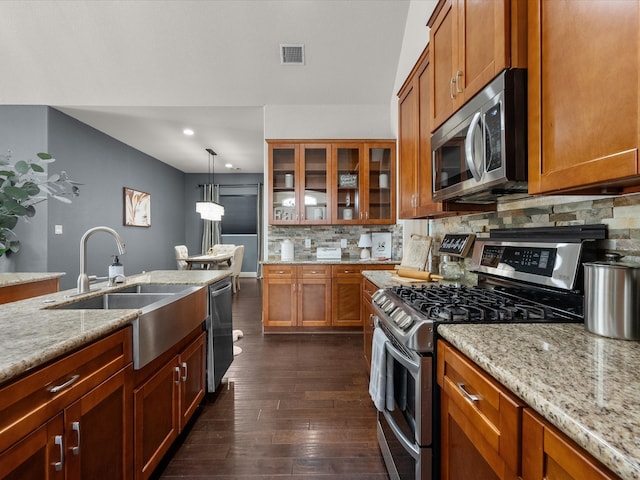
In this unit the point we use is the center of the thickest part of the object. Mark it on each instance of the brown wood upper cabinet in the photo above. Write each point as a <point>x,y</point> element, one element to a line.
<point>414,145</point>
<point>319,182</point>
<point>583,95</point>
<point>471,42</point>
<point>299,183</point>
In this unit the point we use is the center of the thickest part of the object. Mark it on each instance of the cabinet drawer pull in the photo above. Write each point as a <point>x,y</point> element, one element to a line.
<point>57,440</point>
<point>57,388</point>
<point>280,272</point>
<point>451,94</point>
<point>458,75</point>
<point>314,272</point>
<point>177,371</point>
<point>470,397</point>
<point>75,426</point>
<point>184,366</point>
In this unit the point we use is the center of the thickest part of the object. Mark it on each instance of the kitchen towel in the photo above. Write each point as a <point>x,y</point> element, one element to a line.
<point>378,377</point>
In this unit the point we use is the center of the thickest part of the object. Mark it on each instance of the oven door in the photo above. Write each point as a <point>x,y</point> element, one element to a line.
<point>405,426</point>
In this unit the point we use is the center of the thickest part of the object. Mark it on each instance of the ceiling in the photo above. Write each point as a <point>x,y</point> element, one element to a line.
<point>143,70</point>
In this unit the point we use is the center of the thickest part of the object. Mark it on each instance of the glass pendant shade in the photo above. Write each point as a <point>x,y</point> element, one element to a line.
<point>210,210</point>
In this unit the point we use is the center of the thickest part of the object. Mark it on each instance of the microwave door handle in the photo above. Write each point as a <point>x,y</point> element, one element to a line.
<point>433,172</point>
<point>468,146</point>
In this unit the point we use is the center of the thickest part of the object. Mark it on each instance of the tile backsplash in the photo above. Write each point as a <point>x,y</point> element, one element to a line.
<point>329,236</point>
<point>621,215</point>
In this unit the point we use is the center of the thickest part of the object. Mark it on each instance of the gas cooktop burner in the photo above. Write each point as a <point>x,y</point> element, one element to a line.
<point>486,305</point>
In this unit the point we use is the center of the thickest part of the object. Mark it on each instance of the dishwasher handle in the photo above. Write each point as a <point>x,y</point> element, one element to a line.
<point>219,291</point>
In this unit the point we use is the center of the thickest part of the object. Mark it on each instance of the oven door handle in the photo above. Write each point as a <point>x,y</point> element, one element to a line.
<point>413,367</point>
<point>404,441</point>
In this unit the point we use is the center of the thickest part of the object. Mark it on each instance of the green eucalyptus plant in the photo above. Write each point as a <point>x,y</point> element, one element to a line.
<point>23,185</point>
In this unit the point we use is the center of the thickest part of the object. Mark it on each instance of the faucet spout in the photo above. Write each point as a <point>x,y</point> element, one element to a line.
<point>83,279</point>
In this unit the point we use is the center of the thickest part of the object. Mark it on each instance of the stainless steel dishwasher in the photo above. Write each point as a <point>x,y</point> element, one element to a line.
<point>219,333</point>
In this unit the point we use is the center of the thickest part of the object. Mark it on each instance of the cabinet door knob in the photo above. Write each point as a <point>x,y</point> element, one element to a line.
<point>75,426</point>
<point>57,440</point>
<point>458,75</point>
<point>451,94</point>
<point>184,375</point>
<point>177,371</point>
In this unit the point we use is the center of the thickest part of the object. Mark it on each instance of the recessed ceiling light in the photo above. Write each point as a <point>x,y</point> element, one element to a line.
<point>228,165</point>
<point>188,132</point>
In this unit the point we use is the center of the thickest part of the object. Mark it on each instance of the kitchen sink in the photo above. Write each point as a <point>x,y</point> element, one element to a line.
<point>168,313</point>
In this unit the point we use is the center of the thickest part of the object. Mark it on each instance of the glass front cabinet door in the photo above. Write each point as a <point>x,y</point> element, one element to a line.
<point>284,177</point>
<point>299,190</point>
<point>315,191</point>
<point>380,160</point>
<point>348,182</point>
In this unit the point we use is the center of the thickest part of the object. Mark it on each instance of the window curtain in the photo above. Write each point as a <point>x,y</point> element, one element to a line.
<point>260,206</point>
<point>211,229</point>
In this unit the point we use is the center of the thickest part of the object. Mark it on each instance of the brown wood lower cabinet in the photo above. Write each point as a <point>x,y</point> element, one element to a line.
<point>487,433</point>
<point>346,289</point>
<point>367,313</point>
<point>13,293</point>
<point>165,401</point>
<point>307,297</point>
<point>80,430</point>
<point>548,453</point>
<point>480,421</point>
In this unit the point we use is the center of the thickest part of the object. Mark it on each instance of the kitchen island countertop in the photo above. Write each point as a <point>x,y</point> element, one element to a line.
<point>10,279</point>
<point>33,333</point>
<point>587,386</point>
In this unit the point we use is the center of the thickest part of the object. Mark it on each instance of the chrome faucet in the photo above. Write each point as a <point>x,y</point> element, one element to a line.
<point>83,279</point>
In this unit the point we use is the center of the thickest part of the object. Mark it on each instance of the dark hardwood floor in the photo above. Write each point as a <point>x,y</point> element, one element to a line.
<point>292,406</point>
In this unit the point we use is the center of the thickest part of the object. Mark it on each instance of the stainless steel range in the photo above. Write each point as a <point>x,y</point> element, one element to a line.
<point>524,276</point>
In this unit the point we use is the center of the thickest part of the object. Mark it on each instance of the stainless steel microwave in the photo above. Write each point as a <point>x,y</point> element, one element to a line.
<point>480,153</point>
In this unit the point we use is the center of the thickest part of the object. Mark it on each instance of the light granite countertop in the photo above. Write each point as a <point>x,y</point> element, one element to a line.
<point>386,279</point>
<point>586,385</point>
<point>9,279</point>
<point>33,333</point>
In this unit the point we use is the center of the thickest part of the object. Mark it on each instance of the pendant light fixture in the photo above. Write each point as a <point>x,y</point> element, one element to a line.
<point>210,210</point>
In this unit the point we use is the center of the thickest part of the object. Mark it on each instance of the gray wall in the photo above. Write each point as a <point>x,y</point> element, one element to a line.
<point>105,165</point>
<point>23,130</point>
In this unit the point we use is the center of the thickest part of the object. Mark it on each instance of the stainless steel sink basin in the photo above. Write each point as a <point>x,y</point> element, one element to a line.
<point>116,300</point>
<point>167,314</point>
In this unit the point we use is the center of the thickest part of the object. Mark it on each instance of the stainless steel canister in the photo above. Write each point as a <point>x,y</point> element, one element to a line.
<point>612,298</point>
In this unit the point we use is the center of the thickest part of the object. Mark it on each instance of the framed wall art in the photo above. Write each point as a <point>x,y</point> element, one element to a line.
<point>137,208</point>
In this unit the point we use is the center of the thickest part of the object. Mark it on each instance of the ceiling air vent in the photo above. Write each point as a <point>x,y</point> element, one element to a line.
<point>291,54</point>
